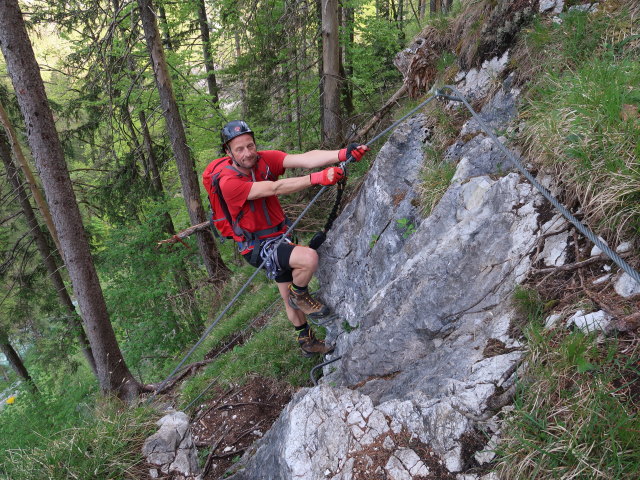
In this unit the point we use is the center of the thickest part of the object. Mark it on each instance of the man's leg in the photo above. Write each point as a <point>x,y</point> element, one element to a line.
<point>297,317</point>
<point>304,263</point>
<point>307,341</point>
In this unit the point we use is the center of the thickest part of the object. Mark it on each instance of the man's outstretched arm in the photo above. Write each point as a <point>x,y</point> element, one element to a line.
<point>322,158</point>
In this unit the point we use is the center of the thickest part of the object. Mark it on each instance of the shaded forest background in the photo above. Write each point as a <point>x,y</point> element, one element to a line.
<point>265,62</point>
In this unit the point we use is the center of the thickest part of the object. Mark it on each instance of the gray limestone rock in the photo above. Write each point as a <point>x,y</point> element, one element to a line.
<point>555,6</point>
<point>172,447</point>
<point>626,286</point>
<point>426,296</point>
<point>476,83</point>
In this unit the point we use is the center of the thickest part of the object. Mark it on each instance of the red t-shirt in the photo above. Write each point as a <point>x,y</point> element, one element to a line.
<point>262,213</point>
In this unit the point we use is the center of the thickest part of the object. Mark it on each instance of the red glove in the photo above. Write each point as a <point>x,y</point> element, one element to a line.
<point>322,177</point>
<point>354,150</point>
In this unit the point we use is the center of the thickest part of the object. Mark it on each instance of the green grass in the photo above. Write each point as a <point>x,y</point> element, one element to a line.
<point>436,178</point>
<point>575,411</point>
<point>583,121</point>
<point>68,431</point>
<point>271,352</point>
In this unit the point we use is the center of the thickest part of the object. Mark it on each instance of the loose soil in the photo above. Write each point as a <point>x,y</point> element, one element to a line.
<point>229,423</point>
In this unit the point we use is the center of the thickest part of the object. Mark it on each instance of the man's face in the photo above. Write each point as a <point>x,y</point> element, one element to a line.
<point>243,150</point>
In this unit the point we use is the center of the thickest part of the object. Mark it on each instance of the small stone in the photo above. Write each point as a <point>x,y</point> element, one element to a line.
<point>596,250</point>
<point>327,472</point>
<point>602,279</point>
<point>551,321</point>
<point>591,322</point>
<point>153,473</point>
<point>624,247</point>
<point>388,443</point>
<point>587,7</point>
<point>228,449</point>
<point>626,286</point>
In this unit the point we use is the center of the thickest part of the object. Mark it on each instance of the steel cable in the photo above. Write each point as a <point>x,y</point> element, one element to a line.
<point>561,208</point>
<point>289,230</point>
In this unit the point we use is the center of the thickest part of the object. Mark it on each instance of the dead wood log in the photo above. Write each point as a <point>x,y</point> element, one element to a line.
<point>178,237</point>
<point>379,115</point>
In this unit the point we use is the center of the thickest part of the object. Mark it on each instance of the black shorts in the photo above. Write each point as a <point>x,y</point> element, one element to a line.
<point>284,254</point>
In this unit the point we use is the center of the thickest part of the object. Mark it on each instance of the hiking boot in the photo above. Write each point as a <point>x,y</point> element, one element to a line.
<point>310,345</point>
<point>309,305</point>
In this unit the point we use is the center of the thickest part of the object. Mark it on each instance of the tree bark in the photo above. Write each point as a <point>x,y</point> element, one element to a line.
<point>434,6</point>
<point>35,191</point>
<point>16,362</point>
<point>47,255</point>
<point>243,83</point>
<point>216,268</point>
<point>206,50</point>
<point>348,15</point>
<point>113,374</point>
<point>331,128</point>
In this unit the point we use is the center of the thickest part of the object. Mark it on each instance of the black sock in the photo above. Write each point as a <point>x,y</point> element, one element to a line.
<point>298,289</point>
<point>303,330</point>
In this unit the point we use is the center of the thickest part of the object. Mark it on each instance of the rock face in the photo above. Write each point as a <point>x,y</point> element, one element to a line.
<point>172,448</point>
<point>427,300</point>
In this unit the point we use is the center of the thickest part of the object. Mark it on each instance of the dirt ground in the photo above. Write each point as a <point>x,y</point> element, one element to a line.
<point>234,419</point>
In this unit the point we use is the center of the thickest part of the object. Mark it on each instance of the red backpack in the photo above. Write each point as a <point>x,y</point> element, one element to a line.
<point>225,226</point>
<point>220,216</point>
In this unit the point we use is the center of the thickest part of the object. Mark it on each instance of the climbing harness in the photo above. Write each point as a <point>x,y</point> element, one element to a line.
<point>269,255</point>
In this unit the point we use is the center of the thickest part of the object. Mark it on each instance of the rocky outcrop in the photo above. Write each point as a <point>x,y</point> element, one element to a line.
<point>425,313</point>
<point>172,449</point>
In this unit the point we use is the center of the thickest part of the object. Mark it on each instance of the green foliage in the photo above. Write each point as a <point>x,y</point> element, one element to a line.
<point>407,227</point>
<point>373,71</point>
<point>346,326</point>
<point>107,445</point>
<point>574,410</point>
<point>145,286</point>
<point>66,431</point>
<point>583,119</point>
<point>271,352</point>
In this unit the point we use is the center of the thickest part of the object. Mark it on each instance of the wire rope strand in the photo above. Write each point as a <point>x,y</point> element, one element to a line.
<point>289,230</point>
<point>561,208</point>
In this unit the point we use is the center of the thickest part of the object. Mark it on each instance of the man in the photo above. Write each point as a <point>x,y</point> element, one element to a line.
<point>248,183</point>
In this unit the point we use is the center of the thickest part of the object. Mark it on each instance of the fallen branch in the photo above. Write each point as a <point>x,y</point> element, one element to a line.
<point>189,369</point>
<point>380,113</point>
<point>185,233</point>
<point>574,266</point>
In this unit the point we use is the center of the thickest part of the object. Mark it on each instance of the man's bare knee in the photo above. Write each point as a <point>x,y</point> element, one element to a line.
<point>305,258</point>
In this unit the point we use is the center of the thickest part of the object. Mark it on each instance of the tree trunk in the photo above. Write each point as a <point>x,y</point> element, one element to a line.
<point>206,50</point>
<point>216,268</point>
<point>331,128</point>
<point>243,83</point>
<point>45,252</point>
<point>348,16</point>
<point>35,191</point>
<point>113,374</point>
<point>152,161</point>
<point>16,362</point>
<point>434,6</point>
